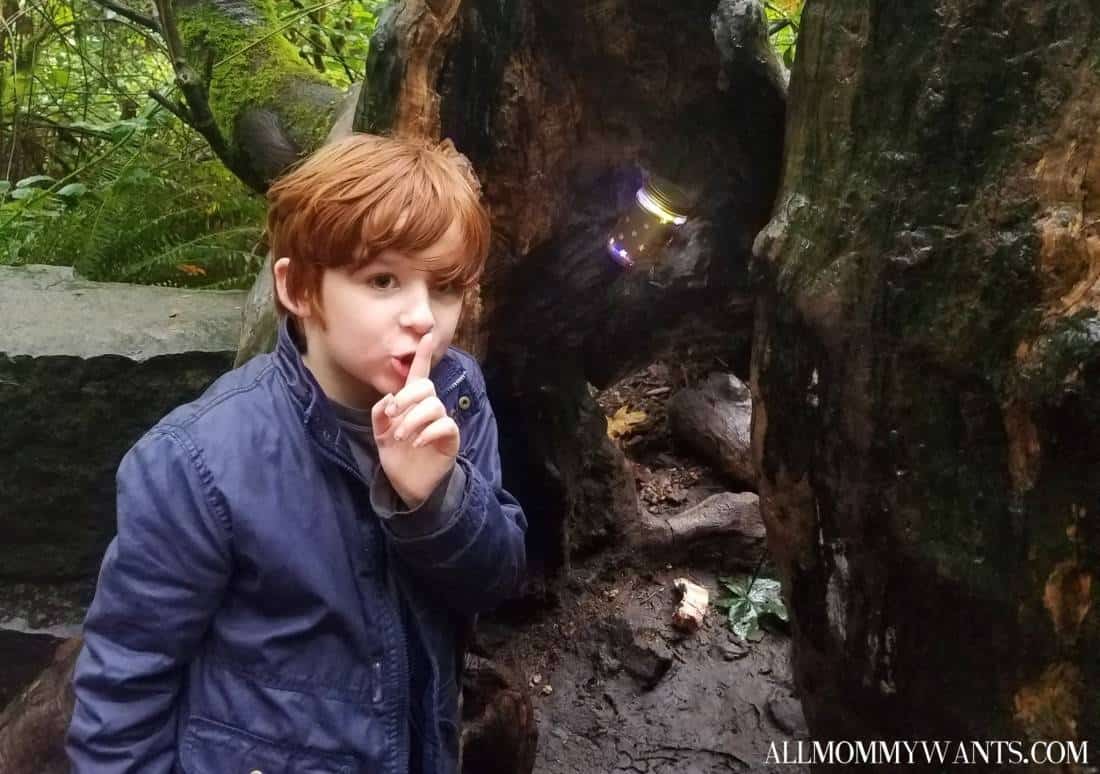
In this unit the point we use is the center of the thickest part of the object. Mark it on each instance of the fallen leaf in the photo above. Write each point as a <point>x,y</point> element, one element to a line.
<point>622,422</point>
<point>191,269</point>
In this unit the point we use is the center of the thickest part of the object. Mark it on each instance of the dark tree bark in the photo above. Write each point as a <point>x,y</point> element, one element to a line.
<point>560,107</point>
<point>926,370</point>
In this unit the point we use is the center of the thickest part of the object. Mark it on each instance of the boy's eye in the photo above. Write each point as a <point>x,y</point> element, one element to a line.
<point>382,281</point>
<point>448,288</point>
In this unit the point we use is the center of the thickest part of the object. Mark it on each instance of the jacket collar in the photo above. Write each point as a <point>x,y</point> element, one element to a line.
<point>311,399</point>
<point>303,386</point>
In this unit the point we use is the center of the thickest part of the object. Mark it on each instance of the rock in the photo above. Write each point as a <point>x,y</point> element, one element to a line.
<point>606,663</point>
<point>713,421</point>
<point>85,369</point>
<point>731,651</point>
<point>786,712</point>
<point>621,647</point>
<point>693,605</point>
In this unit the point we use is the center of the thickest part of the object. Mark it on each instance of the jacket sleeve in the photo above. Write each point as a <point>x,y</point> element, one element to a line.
<point>161,580</point>
<point>474,556</point>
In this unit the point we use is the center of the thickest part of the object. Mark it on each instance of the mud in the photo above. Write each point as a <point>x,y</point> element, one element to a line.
<point>616,688</point>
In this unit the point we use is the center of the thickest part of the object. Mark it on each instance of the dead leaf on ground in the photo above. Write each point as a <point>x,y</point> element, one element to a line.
<point>623,421</point>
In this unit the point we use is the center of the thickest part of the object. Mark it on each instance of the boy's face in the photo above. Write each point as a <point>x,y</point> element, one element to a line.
<point>375,315</point>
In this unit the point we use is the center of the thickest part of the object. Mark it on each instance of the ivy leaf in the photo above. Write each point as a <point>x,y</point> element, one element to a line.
<point>746,604</point>
<point>736,586</point>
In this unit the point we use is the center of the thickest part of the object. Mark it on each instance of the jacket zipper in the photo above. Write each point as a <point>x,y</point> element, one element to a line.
<point>395,619</point>
<point>448,390</point>
<point>403,718</point>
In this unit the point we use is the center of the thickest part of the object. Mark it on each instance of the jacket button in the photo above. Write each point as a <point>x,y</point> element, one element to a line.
<point>464,402</point>
<point>255,771</point>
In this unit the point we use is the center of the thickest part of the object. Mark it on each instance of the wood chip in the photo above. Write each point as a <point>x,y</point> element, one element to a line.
<point>693,605</point>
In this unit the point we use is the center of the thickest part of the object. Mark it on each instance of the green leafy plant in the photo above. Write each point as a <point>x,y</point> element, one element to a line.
<point>784,18</point>
<point>175,223</point>
<point>748,600</point>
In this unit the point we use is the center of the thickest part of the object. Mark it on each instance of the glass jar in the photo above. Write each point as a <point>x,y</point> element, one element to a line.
<point>641,232</point>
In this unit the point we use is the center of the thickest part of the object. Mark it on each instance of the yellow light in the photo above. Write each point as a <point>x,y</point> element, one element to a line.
<point>651,205</point>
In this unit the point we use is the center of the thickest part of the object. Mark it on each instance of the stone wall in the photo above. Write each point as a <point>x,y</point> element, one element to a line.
<point>85,369</point>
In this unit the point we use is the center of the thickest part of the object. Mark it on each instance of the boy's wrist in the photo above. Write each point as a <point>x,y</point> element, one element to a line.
<point>430,516</point>
<point>414,500</point>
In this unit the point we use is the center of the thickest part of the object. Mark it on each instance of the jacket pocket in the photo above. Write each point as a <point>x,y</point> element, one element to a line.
<point>209,747</point>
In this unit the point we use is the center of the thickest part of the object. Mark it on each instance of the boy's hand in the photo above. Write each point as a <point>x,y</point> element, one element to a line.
<point>417,441</point>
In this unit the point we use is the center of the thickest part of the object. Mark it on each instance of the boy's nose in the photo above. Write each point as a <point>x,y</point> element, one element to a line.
<point>418,314</point>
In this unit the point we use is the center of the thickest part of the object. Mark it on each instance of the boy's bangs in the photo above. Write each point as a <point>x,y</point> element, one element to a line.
<point>413,224</point>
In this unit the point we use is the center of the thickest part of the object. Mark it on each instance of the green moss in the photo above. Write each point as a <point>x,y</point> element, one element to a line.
<point>255,66</point>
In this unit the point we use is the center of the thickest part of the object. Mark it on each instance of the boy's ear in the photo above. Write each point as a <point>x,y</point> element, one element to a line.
<point>299,307</point>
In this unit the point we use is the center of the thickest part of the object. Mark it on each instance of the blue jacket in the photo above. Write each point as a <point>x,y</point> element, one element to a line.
<point>247,616</point>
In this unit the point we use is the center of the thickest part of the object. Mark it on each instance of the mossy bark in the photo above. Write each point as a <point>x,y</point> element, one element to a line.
<point>926,369</point>
<point>270,105</point>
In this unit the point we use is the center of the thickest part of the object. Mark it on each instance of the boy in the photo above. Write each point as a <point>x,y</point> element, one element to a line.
<point>299,549</point>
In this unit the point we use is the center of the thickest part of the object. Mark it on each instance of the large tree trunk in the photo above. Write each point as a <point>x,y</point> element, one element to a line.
<point>927,370</point>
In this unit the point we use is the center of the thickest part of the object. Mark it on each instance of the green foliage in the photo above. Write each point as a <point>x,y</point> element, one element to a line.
<point>331,37</point>
<point>750,599</point>
<point>179,223</point>
<point>784,18</point>
<point>252,65</point>
<point>148,213</point>
<point>96,174</point>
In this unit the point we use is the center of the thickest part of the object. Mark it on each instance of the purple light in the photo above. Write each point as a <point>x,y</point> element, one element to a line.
<point>619,254</point>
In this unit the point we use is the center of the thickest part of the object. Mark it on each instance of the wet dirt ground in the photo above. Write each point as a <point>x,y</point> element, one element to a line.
<point>616,688</point>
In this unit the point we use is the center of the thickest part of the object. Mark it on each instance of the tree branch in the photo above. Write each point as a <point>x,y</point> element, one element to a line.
<point>178,110</point>
<point>137,18</point>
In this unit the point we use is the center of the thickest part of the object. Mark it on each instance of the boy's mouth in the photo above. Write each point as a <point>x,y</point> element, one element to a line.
<point>402,364</point>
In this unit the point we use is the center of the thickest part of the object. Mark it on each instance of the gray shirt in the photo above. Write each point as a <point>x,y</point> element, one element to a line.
<point>431,515</point>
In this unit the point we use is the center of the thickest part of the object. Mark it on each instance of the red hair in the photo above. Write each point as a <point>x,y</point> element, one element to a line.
<point>365,194</point>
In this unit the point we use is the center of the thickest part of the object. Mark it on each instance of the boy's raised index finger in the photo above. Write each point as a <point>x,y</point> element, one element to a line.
<point>422,360</point>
